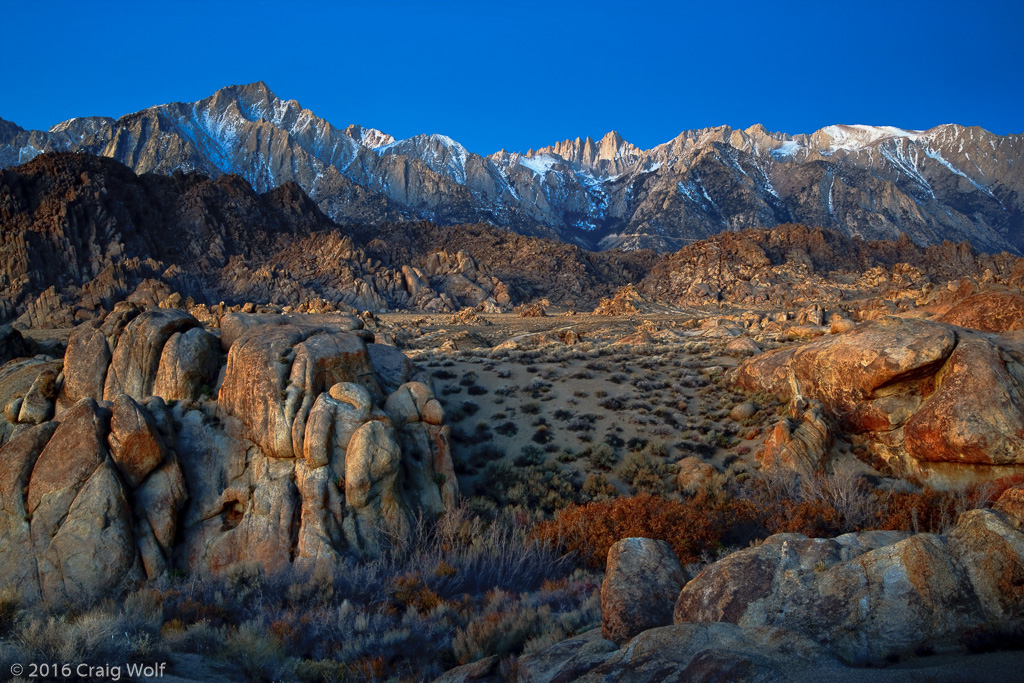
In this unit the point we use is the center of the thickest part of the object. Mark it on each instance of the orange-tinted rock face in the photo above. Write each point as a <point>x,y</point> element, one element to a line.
<point>976,414</point>
<point>992,311</point>
<point>275,373</point>
<point>1011,505</point>
<point>951,400</point>
<point>865,378</point>
<point>135,444</point>
<point>800,445</point>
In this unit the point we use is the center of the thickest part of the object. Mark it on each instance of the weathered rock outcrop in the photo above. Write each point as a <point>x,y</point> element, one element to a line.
<point>87,360</point>
<point>34,379</point>
<point>794,265</point>
<point>802,609</point>
<point>276,372</point>
<point>188,364</point>
<point>872,595</point>
<point>993,311</point>
<point>81,535</point>
<point>428,469</point>
<point>799,443</point>
<point>1011,505</point>
<point>296,465</point>
<point>935,400</point>
<point>135,444</point>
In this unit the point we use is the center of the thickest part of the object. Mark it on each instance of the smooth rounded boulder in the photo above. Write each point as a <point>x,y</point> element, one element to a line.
<point>136,357</point>
<point>135,443</point>
<point>642,579</point>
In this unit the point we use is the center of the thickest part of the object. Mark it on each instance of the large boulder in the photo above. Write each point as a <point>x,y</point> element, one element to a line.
<point>991,311</point>
<point>800,444</point>
<point>870,597</point>
<point>567,660</point>
<point>75,451</point>
<point>17,458</point>
<point>428,470</point>
<point>92,552</point>
<point>188,363</point>
<point>85,364</point>
<point>989,547</point>
<point>136,357</point>
<point>333,419</point>
<point>976,414</point>
<point>393,367</point>
<point>158,502</point>
<point>715,652</point>
<point>1011,505</point>
<point>694,474</point>
<point>642,578</point>
<point>81,521</point>
<point>37,405</point>
<point>234,325</point>
<point>870,379</point>
<point>16,380</point>
<point>275,374</point>
<point>372,466</point>
<point>939,402</point>
<point>320,537</point>
<point>135,443</point>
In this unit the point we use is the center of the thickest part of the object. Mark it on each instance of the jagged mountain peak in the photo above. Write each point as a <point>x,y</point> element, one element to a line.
<point>609,156</point>
<point>82,125</point>
<point>257,90</point>
<point>368,137</point>
<point>612,139</point>
<point>253,101</point>
<point>440,153</point>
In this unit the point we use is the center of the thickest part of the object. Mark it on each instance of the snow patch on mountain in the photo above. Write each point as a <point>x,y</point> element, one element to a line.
<point>787,149</point>
<point>858,136</point>
<point>541,164</point>
<point>937,155</point>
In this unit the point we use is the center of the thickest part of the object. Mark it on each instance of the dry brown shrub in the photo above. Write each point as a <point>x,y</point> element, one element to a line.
<point>815,519</point>
<point>691,527</point>
<point>997,487</point>
<point>410,590</point>
<point>927,510</point>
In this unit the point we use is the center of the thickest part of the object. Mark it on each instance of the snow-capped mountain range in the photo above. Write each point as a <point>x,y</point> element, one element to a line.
<point>949,182</point>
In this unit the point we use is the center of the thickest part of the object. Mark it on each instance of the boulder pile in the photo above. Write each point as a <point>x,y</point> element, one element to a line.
<point>290,442</point>
<point>796,608</point>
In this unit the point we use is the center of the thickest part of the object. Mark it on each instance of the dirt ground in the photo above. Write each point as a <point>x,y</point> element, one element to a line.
<point>610,414</point>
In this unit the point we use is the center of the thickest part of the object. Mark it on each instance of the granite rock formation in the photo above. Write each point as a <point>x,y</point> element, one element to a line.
<point>163,452</point>
<point>940,402</point>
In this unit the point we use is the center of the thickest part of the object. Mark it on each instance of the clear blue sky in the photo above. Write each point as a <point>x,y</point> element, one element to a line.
<point>526,74</point>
